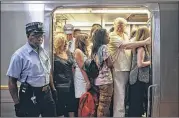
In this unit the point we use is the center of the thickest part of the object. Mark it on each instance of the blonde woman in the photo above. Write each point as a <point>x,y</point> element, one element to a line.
<point>81,80</point>
<point>63,77</point>
<point>139,75</point>
<point>118,44</point>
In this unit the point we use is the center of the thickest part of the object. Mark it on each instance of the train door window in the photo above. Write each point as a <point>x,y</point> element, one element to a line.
<point>138,18</point>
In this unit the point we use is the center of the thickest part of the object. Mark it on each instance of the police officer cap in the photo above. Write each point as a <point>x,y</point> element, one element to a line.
<point>68,28</point>
<point>35,27</point>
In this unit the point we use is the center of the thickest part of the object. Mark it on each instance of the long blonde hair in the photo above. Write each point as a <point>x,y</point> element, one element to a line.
<point>143,33</point>
<point>59,42</point>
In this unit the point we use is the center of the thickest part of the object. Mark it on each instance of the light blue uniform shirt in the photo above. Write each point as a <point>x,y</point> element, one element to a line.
<point>26,61</point>
<point>71,45</point>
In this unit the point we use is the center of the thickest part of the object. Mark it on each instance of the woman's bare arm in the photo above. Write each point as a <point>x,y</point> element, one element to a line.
<point>135,44</point>
<point>80,61</point>
<point>140,58</point>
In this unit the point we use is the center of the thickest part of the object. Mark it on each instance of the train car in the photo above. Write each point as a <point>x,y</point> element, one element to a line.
<point>160,16</point>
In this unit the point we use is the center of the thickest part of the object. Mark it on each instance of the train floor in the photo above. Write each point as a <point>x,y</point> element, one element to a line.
<point>7,105</point>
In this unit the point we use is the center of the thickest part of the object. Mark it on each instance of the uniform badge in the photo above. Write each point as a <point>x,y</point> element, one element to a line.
<point>39,26</point>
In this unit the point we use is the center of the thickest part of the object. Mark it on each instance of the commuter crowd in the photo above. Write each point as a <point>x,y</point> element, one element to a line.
<point>100,74</point>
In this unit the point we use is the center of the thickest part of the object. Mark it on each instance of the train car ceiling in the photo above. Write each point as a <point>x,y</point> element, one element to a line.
<point>83,18</point>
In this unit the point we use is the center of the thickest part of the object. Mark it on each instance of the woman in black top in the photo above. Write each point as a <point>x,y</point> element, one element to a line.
<point>63,77</point>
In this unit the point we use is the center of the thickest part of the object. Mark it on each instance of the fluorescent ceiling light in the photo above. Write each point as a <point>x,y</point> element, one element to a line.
<point>72,11</point>
<point>120,11</point>
<point>136,23</point>
<point>62,11</point>
<point>79,24</point>
<point>35,7</point>
<point>88,24</point>
<point>33,2</point>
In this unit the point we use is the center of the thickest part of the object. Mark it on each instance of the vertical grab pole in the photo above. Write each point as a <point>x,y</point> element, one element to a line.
<point>148,106</point>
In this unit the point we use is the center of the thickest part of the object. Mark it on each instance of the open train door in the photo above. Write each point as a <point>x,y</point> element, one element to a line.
<point>154,22</point>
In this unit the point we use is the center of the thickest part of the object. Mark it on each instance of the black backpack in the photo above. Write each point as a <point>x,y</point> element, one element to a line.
<point>91,68</point>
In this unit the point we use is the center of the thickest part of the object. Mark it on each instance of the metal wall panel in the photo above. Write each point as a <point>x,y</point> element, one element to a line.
<point>169,109</point>
<point>169,59</point>
<point>169,52</point>
<point>13,20</point>
<point>12,34</point>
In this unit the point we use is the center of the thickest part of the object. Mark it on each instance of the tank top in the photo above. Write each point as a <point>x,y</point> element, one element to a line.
<point>79,81</point>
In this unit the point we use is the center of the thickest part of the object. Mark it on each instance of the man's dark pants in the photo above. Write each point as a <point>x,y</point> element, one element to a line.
<point>45,105</point>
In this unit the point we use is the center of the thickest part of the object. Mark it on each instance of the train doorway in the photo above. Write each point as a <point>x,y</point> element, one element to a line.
<point>83,17</point>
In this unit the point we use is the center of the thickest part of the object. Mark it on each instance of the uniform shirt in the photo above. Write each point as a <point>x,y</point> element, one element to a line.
<point>121,56</point>
<point>27,62</point>
<point>71,45</point>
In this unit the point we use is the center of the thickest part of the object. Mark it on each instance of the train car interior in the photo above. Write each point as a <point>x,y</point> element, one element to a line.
<point>84,18</point>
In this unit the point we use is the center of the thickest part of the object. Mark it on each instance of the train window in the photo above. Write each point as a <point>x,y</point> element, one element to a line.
<point>138,28</point>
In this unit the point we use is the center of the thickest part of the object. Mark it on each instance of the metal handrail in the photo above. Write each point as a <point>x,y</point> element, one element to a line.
<point>148,106</point>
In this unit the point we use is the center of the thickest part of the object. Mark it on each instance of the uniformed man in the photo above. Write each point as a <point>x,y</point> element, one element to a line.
<point>68,30</point>
<point>30,65</point>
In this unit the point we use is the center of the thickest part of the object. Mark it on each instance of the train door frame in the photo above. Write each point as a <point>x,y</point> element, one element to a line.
<point>50,7</point>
